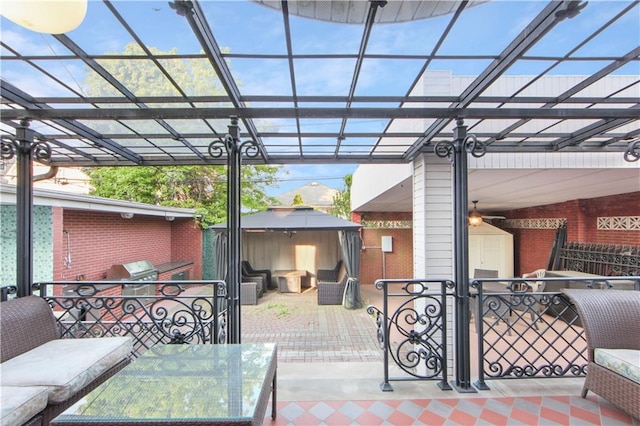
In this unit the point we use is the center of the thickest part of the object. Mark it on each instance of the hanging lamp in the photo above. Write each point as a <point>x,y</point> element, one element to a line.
<point>45,16</point>
<point>475,218</point>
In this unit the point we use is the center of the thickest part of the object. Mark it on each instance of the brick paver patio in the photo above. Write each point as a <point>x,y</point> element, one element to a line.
<point>308,332</point>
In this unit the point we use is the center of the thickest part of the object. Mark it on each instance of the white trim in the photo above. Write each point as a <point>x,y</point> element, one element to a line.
<point>47,197</point>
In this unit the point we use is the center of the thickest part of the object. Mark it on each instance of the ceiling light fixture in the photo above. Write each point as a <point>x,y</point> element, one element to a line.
<point>45,16</point>
<point>475,218</point>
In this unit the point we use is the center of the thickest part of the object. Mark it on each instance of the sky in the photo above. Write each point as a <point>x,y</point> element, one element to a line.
<point>294,176</point>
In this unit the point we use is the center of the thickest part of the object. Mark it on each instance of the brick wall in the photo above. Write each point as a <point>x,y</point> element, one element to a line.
<point>98,240</point>
<point>186,245</point>
<point>533,246</point>
<point>399,262</point>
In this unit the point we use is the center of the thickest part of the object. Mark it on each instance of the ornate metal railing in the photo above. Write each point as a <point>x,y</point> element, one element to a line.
<point>525,334</point>
<point>413,333</point>
<point>601,259</point>
<point>175,312</point>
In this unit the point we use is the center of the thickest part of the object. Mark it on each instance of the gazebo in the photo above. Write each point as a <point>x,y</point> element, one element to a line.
<point>297,237</point>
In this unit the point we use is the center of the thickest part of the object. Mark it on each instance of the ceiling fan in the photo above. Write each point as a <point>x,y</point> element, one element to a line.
<point>475,218</point>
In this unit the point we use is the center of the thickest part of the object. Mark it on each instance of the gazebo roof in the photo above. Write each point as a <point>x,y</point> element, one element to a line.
<point>292,219</point>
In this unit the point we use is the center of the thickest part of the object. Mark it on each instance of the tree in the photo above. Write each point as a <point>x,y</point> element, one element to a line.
<point>297,200</point>
<point>199,187</point>
<point>342,200</point>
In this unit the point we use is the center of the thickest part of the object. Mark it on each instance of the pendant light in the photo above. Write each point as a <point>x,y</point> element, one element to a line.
<point>45,16</point>
<point>475,218</point>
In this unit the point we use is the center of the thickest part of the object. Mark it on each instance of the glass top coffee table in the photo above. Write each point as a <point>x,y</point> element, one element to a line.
<point>184,384</point>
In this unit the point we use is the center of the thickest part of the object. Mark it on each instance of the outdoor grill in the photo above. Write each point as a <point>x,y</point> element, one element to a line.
<point>141,270</point>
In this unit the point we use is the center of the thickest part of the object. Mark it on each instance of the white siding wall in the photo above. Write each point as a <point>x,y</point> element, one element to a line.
<point>433,227</point>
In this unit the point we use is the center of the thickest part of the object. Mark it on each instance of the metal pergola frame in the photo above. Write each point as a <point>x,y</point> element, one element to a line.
<point>73,129</point>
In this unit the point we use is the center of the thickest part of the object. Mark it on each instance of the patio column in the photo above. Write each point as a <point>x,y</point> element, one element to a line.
<point>456,151</point>
<point>25,151</point>
<point>233,148</point>
<point>433,234</point>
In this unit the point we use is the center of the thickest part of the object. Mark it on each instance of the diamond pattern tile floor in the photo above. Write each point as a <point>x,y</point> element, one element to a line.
<point>552,410</point>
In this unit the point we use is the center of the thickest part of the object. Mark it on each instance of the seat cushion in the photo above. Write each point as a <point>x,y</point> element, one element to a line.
<point>19,404</point>
<point>625,362</point>
<point>65,366</point>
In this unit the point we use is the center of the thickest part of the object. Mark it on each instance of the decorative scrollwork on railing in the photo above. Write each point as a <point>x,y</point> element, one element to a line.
<point>171,315</point>
<point>633,152</point>
<point>420,329</point>
<point>419,344</point>
<point>8,148</point>
<point>377,314</point>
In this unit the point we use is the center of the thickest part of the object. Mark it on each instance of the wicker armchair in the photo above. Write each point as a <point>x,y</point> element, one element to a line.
<point>248,273</point>
<point>332,292</point>
<point>327,275</point>
<point>610,319</point>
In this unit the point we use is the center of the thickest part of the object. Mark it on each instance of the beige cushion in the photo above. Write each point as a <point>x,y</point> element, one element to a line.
<point>21,404</point>
<point>65,366</point>
<point>625,362</point>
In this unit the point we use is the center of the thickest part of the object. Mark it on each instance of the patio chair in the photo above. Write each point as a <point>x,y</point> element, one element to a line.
<point>497,307</point>
<point>332,292</point>
<point>610,319</point>
<point>329,274</point>
<point>532,302</point>
<point>248,274</point>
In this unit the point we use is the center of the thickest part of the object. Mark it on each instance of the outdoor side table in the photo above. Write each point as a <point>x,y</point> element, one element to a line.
<point>184,384</point>
<point>291,281</point>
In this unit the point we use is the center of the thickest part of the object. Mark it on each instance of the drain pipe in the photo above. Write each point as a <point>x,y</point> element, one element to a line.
<point>52,172</point>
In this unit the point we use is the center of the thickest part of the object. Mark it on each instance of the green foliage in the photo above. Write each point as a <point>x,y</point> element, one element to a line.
<point>297,200</point>
<point>199,187</point>
<point>342,200</point>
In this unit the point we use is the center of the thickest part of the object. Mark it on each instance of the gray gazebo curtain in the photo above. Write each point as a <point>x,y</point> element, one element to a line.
<point>351,244</point>
<point>220,241</point>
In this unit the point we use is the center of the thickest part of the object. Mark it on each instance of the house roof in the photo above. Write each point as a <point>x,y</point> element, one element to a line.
<point>306,90</point>
<point>48,197</point>
<point>292,219</point>
<point>313,194</point>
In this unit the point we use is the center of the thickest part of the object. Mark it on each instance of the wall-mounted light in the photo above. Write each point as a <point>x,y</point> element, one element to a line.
<point>290,234</point>
<point>475,218</point>
<point>45,16</point>
<point>170,218</point>
<point>126,215</point>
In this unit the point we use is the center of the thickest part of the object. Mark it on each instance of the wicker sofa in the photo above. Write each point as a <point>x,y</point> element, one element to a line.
<point>42,374</point>
<point>610,319</point>
<point>331,292</point>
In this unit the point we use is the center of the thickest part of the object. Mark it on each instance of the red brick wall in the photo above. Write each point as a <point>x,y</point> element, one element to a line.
<point>399,262</point>
<point>186,245</point>
<point>533,246</point>
<point>99,240</point>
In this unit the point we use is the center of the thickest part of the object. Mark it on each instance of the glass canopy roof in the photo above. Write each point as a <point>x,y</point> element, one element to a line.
<point>151,82</point>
